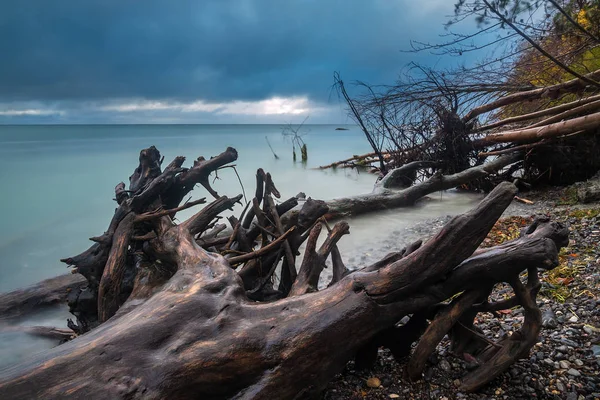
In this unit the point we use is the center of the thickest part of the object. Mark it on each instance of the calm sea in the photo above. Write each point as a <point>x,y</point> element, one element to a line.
<point>58,181</point>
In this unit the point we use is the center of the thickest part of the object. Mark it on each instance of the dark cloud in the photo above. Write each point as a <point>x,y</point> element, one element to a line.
<point>216,50</point>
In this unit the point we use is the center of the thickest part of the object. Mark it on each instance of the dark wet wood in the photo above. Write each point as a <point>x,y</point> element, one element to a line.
<point>46,293</point>
<point>177,321</point>
<point>382,199</point>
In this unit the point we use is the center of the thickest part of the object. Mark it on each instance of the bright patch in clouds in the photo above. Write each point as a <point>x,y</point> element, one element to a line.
<point>272,106</point>
<point>29,112</point>
<point>133,111</point>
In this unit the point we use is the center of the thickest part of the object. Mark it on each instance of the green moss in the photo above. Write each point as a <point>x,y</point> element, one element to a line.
<point>585,213</point>
<point>569,197</point>
<point>560,278</point>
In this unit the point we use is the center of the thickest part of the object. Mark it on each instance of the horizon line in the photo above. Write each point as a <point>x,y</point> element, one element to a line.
<point>152,124</point>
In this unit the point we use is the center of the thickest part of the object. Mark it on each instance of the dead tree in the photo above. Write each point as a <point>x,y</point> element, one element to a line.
<point>385,196</point>
<point>295,136</point>
<point>175,311</point>
<point>537,94</point>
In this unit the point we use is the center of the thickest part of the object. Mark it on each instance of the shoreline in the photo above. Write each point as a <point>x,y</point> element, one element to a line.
<point>564,364</point>
<point>438,381</point>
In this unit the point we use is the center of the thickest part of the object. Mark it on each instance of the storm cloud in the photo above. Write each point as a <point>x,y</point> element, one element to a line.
<point>105,59</point>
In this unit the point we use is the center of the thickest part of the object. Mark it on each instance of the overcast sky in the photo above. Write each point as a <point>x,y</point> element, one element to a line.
<point>203,61</point>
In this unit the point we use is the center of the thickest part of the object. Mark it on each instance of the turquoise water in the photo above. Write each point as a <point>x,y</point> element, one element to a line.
<point>58,181</point>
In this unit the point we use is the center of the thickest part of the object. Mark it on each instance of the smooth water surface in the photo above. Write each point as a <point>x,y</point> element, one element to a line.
<point>58,181</point>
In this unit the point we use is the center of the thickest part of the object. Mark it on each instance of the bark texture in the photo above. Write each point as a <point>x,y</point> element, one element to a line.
<point>180,313</point>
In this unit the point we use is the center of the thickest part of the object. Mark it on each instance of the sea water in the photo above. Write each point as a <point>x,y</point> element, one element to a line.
<point>58,183</point>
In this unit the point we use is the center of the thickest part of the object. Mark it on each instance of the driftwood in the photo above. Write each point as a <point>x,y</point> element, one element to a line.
<point>404,176</point>
<point>554,91</point>
<point>555,111</point>
<point>383,198</point>
<point>529,135</point>
<point>48,292</point>
<point>165,318</point>
<point>363,159</point>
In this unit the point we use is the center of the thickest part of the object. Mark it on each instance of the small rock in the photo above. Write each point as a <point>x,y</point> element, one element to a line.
<point>445,365</point>
<point>569,342</point>
<point>596,350</point>
<point>373,382</point>
<point>564,364</point>
<point>560,386</point>
<point>578,362</point>
<point>549,320</point>
<point>573,319</point>
<point>428,375</point>
<point>573,372</point>
<point>591,329</point>
<point>393,396</point>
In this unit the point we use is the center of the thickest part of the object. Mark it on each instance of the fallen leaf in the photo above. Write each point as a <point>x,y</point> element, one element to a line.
<point>564,281</point>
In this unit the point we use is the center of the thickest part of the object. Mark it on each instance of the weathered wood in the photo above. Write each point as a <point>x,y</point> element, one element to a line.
<point>355,159</point>
<point>386,199</point>
<point>529,135</point>
<point>48,292</point>
<point>192,326</point>
<point>542,113</point>
<point>437,330</point>
<point>571,86</point>
<point>405,175</point>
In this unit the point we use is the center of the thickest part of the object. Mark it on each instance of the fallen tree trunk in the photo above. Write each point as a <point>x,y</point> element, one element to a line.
<point>571,86</point>
<point>356,160</point>
<point>188,327</point>
<point>405,175</point>
<point>542,113</point>
<point>383,198</point>
<point>48,292</point>
<point>529,135</point>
